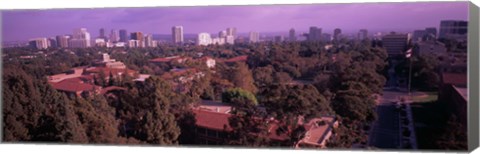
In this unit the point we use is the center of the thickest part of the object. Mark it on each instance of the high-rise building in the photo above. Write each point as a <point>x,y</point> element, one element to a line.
<point>218,40</point>
<point>177,34</point>
<point>362,34</point>
<point>52,42</point>
<point>232,31</point>
<point>149,40</point>
<point>102,34</point>
<point>336,33</point>
<point>114,36</point>
<point>80,38</point>
<point>230,39</point>
<point>254,37</point>
<point>123,35</point>
<point>314,34</point>
<point>222,34</point>
<point>453,29</point>
<point>418,35</point>
<point>204,39</point>
<point>395,44</point>
<point>291,35</point>
<point>431,33</point>
<point>39,43</point>
<point>326,37</point>
<point>62,41</point>
<point>138,36</point>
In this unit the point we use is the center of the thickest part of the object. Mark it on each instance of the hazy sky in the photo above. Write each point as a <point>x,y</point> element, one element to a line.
<point>26,24</point>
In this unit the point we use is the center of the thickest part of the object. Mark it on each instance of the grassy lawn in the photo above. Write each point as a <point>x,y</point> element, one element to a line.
<point>430,120</point>
<point>428,97</point>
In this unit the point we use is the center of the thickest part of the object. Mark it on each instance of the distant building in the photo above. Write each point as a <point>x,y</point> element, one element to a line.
<point>138,39</point>
<point>291,35</point>
<point>52,42</point>
<point>177,34</point>
<point>395,44</point>
<point>222,34</point>
<point>123,35</point>
<point>431,33</point>
<point>254,37</point>
<point>229,39</point>
<point>80,38</point>
<point>114,36</point>
<point>204,39</point>
<point>149,41</point>
<point>100,42</point>
<point>314,34</point>
<point>278,38</point>
<point>430,48</point>
<point>39,43</point>
<point>453,29</point>
<point>418,35</point>
<point>362,34</point>
<point>336,33</point>
<point>326,37</point>
<point>232,31</point>
<point>218,40</point>
<point>102,35</point>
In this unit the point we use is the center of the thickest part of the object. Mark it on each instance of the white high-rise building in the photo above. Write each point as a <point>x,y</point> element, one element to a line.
<point>232,31</point>
<point>39,43</point>
<point>80,38</point>
<point>230,39</point>
<point>177,34</point>
<point>218,40</point>
<point>149,41</point>
<point>114,36</point>
<point>204,39</point>
<point>222,34</point>
<point>254,37</point>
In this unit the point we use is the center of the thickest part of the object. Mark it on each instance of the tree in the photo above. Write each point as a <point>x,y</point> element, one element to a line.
<point>242,77</point>
<point>241,100</point>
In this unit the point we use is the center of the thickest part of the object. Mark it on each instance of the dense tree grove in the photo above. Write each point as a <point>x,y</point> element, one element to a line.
<point>290,81</point>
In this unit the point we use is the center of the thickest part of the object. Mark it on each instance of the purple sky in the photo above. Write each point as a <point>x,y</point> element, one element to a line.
<point>26,24</point>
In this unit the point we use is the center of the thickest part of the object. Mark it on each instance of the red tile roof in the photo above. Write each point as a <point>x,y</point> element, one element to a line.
<point>73,86</point>
<point>237,59</point>
<point>107,71</point>
<point>212,120</point>
<point>111,88</point>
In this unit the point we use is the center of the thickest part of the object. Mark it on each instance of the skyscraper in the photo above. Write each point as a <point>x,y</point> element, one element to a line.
<point>62,41</point>
<point>177,34</point>
<point>292,36</point>
<point>229,39</point>
<point>362,34</point>
<point>232,31</point>
<point>336,33</point>
<point>314,34</point>
<point>278,38</point>
<point>431,33</point>
<point>204,39</point>
<point>149,41</point>
<point>138,37</point>
<point>114,36</point>
<point>102,34</point>
<point>453,29</point>
<point>123,35</point>
<point>254,37</point>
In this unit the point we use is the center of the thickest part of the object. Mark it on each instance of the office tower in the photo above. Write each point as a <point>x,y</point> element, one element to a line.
<point>254,37</point>
<point>138,37</point>
<point>222,34</point>
<point>453,29</point>
<point>218,40</point>
<point>39,43</point>
<point>229,39</point>
<point>292,36</point>
<point>80,38</point>
<point>62,41</point>
<point>232,31</point>
<point>52,43</point>
<point>177,34</point>
<point>314,34</point>
<point>204,39</point>
<point>102,34</point>
<point>418,35</point>
<point>395,44</point>
<point>430,34</point>
<point>123,35</point>
<point>114,36</point>
<point>362,34</point>
<point>149,41</point>
<point>278,38</point>
<point>336,33</point>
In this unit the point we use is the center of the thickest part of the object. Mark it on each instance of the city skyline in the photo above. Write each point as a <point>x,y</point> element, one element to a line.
<point>23,25</point>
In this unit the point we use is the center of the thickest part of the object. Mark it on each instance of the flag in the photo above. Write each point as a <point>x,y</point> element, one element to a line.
<point>408,53</point>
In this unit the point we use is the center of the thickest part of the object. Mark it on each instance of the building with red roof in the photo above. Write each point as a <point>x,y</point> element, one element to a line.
<point>242,58</point>
<point>76,87</point>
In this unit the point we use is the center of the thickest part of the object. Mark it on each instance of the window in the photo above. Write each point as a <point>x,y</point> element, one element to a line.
<point>211,133</point>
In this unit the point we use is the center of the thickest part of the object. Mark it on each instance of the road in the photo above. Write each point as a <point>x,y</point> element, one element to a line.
<point>384,133</point>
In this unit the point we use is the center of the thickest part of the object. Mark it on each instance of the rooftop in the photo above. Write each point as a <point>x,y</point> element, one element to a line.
<point>73,86</point>
<point>457,79</point>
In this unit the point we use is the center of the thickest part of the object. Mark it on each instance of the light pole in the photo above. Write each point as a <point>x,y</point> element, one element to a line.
<point>409,56</point>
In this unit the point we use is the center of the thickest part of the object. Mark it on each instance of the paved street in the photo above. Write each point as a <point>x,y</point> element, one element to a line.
<point>385,131</point>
